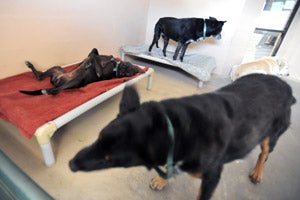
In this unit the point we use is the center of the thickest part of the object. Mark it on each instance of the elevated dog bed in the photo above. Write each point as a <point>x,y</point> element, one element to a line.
<point>199,66</point>
<point>41,116</point>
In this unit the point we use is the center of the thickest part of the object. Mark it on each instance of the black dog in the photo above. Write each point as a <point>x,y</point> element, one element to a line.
<point>94,68</point>
<point>197,134</point>
<point>184,31</point>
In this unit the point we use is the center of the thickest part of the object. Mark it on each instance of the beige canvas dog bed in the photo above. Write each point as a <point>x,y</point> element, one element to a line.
<point>199,66</point>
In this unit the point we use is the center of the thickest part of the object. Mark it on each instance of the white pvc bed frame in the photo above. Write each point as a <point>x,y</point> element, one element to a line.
<point>44,133</point>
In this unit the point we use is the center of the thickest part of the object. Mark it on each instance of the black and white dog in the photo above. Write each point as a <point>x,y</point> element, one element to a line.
<point>184,31</point>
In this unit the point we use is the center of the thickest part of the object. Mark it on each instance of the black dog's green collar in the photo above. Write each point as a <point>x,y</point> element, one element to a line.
<point>169,165</point>
<point>116,66</point>
<point>204,29</point>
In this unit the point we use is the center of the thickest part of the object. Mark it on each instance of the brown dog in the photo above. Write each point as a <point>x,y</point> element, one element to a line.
<point>94,68</point>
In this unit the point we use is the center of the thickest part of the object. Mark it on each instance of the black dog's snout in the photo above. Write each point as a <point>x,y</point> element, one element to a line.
<point>72,166</point>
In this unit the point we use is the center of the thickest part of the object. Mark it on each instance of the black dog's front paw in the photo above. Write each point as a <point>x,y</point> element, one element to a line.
<point>28,64</point>
<point>158,183</point>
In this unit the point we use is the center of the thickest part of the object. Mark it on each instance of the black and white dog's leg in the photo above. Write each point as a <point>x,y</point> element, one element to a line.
<point>179,46</point>
<point>183,51</point>
<point>166,42</point>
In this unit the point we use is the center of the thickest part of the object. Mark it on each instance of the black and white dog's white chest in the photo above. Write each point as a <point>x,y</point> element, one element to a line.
<point>192,40</point>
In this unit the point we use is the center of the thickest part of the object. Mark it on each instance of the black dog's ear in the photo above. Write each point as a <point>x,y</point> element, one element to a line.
<point>130,101</point>
<point>94,52</point>
<point>212,18</point>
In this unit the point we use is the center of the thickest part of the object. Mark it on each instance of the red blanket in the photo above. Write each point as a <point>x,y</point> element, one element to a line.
<point>30,112</point>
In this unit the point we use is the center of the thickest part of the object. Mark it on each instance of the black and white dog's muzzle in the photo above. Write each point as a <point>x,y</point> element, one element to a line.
<point>218,37</point>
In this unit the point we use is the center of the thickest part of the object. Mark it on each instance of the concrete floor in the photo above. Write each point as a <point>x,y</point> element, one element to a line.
<point>281,177</point>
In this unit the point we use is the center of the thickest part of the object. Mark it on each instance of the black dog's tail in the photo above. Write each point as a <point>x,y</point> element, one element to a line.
<point>157,33</point>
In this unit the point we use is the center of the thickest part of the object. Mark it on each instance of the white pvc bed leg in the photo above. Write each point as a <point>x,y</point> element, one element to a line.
<point>150,78</point>
<point>200,84</point>
<point>43,135</point>
<point>48,154</point>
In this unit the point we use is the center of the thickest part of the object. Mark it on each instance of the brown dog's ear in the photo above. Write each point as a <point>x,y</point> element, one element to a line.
<point>93,52</point>
<point>130,101</point>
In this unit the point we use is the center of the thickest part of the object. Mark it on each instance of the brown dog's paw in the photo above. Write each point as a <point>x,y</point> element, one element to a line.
<point>158,183</point>
<point>255,176</point>
<point>28,64</point>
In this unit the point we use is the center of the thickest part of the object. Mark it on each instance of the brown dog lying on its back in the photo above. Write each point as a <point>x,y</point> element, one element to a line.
<point>92,69</point>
